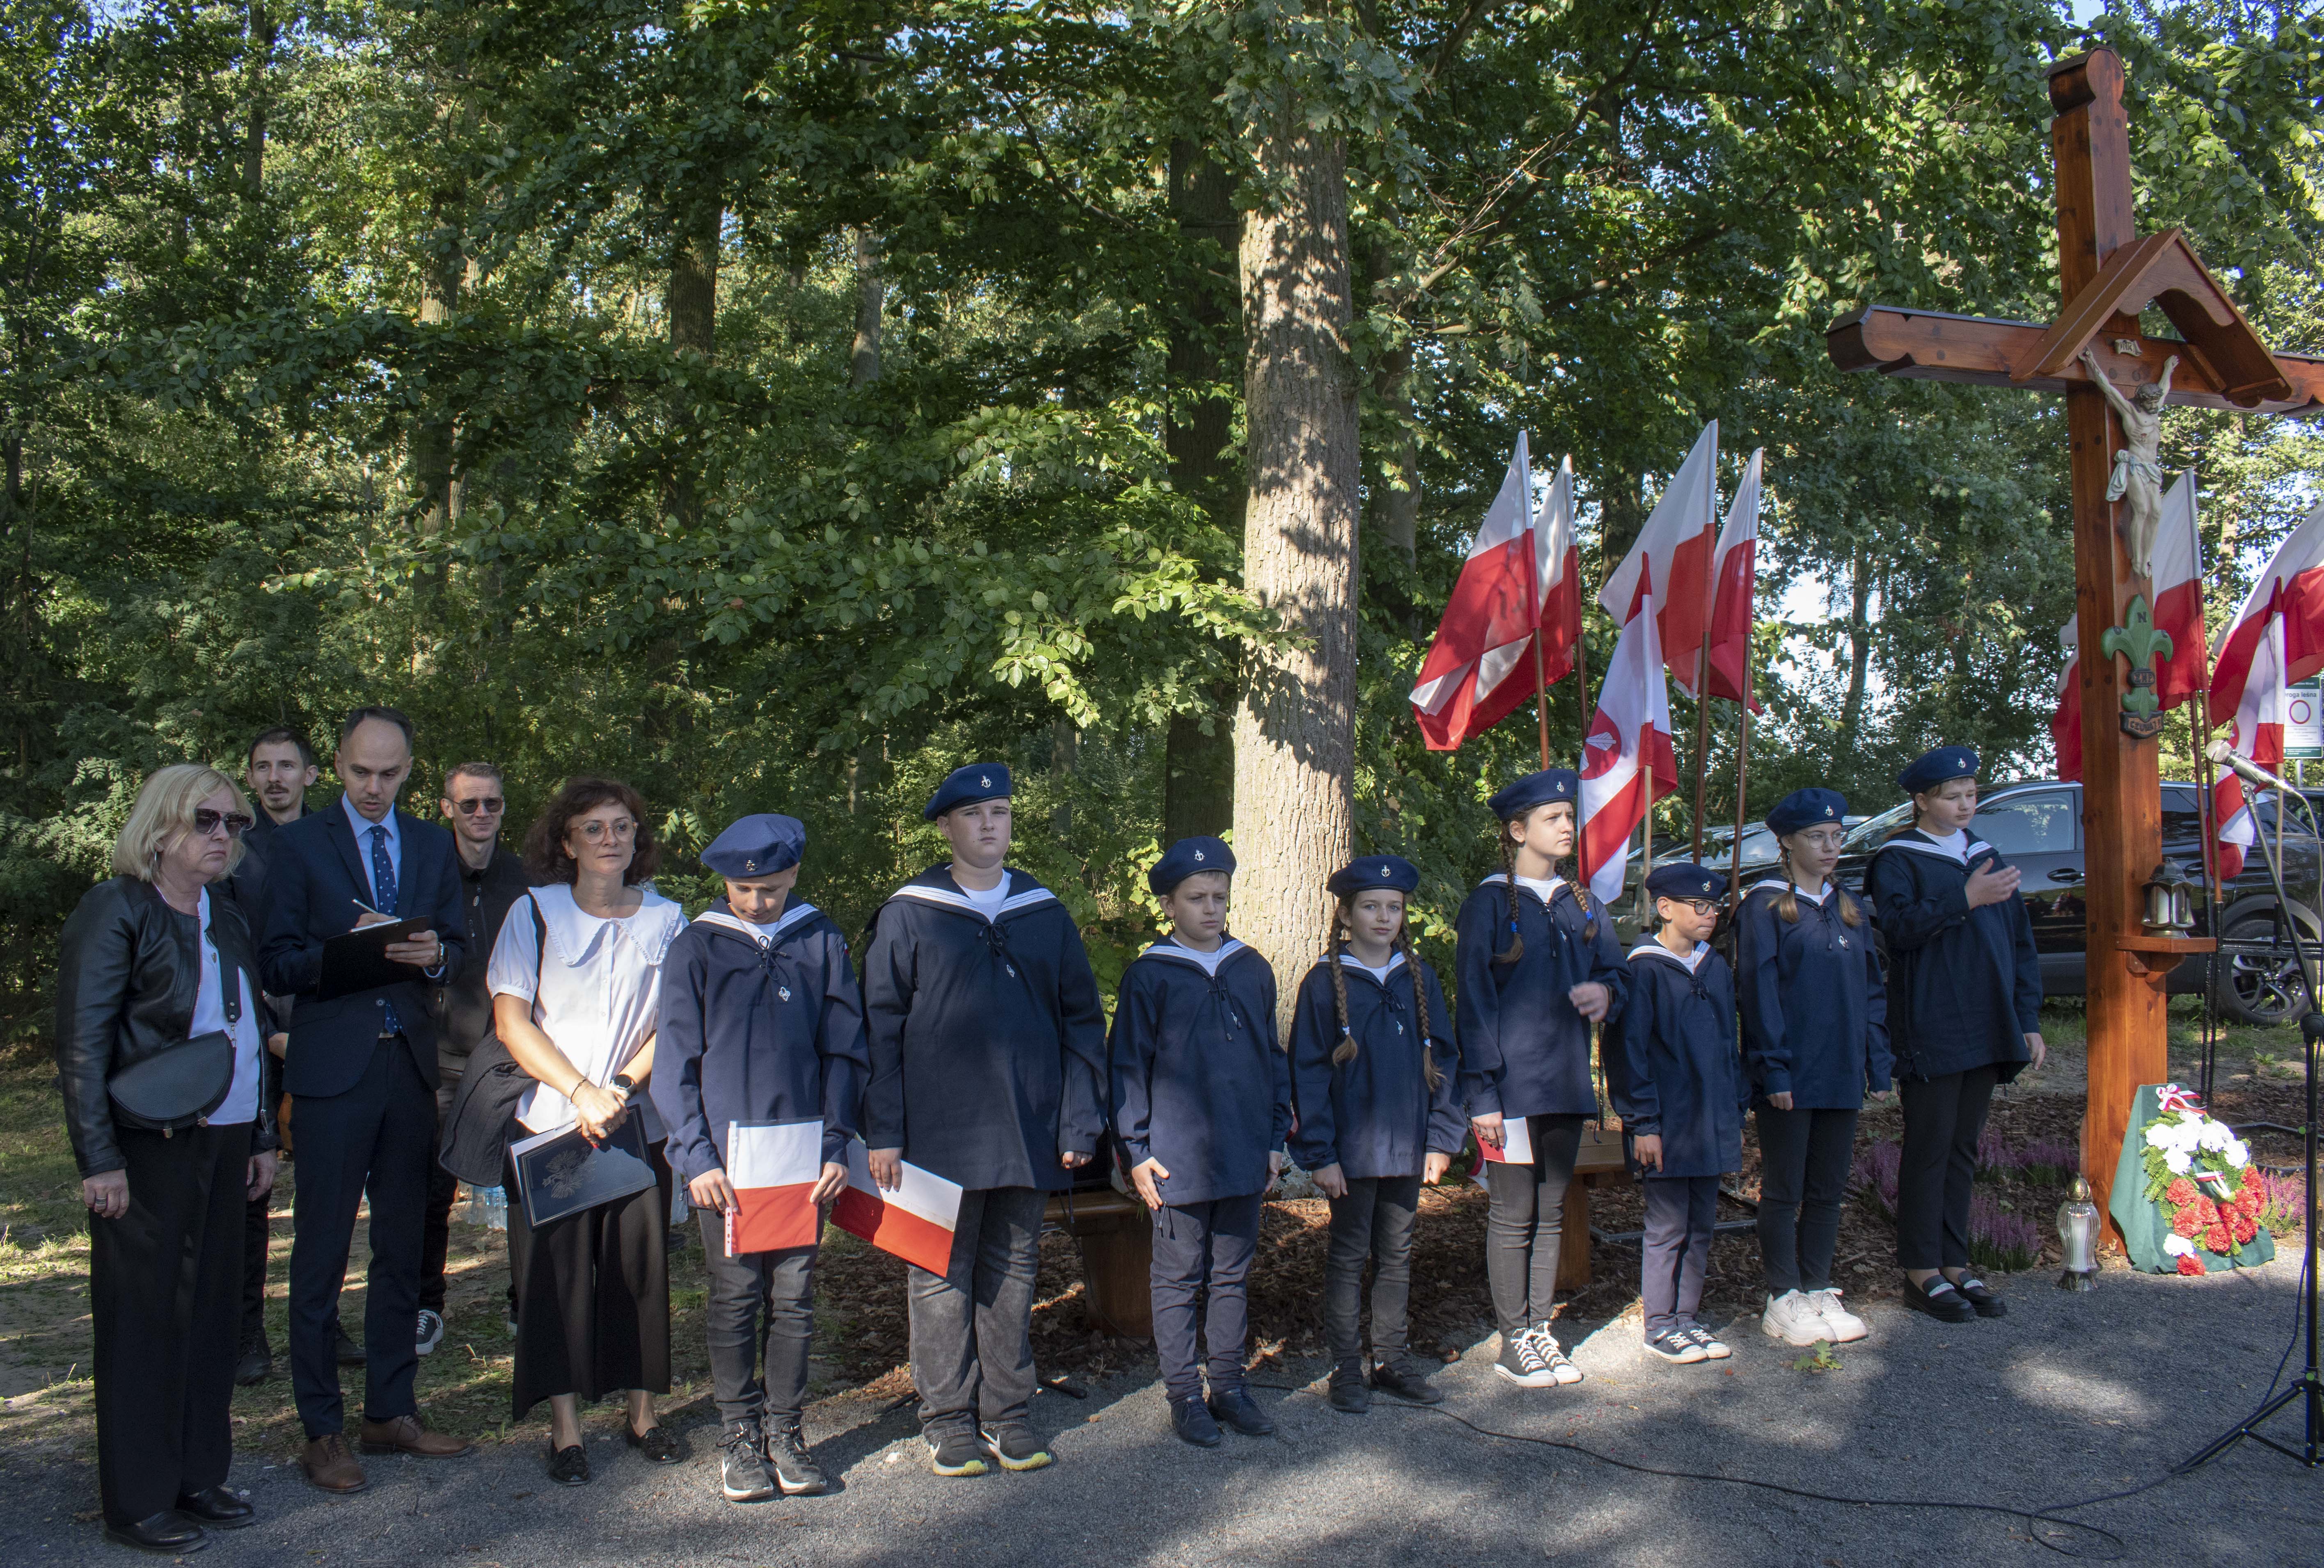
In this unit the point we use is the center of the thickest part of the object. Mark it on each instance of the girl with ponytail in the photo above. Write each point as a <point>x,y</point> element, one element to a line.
<point>1539,964</point>
<point>1372,1063</point>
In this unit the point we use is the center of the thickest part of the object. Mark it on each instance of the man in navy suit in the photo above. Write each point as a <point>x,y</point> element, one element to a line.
<point>361,1072</point>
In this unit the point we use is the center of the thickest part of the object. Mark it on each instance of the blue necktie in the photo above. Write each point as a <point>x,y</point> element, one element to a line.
<point>383,886</point>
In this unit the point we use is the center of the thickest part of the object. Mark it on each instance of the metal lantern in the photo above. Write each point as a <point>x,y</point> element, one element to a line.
<point>2078,1238</point>
<point>2169,902</point>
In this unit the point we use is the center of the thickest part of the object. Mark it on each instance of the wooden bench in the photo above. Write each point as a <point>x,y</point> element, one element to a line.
<point>1598,1164</point>
<point>1117,1243</point>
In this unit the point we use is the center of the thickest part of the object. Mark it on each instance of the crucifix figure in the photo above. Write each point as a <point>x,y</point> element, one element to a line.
<point>2107,274</point>
<point>2137,477</point>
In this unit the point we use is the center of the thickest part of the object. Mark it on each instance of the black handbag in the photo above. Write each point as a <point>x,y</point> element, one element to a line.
<point>181,1087</point>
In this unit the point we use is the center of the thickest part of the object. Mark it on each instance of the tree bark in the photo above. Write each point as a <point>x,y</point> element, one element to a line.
<point>1400,492</point>
<point>1295,732</point>
<point>871,300</point>
<point>441,271</point>
<point>1859,644</point>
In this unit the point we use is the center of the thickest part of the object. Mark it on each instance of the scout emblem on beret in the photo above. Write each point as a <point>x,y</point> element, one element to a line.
<point>984,781</point>
<point>1198,855</point>
<point>750,866</point>
<point>1386,872</point>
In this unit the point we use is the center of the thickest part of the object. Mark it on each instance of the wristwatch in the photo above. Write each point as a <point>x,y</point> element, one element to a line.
<point>623,1085</point>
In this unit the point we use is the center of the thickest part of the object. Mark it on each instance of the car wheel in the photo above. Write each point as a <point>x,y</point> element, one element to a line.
<point>2262,988</point>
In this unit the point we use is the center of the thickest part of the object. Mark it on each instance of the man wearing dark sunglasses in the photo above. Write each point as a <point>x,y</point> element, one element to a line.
<point>492,879</point>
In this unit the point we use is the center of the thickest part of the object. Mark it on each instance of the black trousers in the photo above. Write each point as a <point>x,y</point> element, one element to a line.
<point>443,1187</point>
<point>165,1286</point>
<point>592,1295</point>
<point>1674,1252</point>
<point>972,1326</point>
<point>761,1307</point>
<point>1200,1245</point>
<point>1805,1158</point>
<point>1373,1222</point>
<point>373,1141</point>
<point>1526,1222</point>
<point>257,1235</point>
<point>1943,1119</point>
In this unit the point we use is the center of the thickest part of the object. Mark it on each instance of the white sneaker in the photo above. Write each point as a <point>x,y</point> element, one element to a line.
<point>1792,1318</point>
<point>1553,1355</point>
<point>1844,1325</point>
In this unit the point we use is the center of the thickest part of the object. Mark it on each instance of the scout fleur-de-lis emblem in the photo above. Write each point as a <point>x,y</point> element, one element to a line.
<point>1011,968</point>
<point>1843,941</point>
<point>784,991</point>
<point>750,866</point>
<point>1384,871</point>
<point>2138,640</point>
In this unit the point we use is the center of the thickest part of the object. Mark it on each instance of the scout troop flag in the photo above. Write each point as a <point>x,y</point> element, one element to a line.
<point>913,1222</point>
<point>773,1167</point>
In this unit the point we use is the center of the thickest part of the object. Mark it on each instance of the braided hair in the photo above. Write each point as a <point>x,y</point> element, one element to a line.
<point>1787,902</point>
<point>1342,921</point>
<point>1567,868</point>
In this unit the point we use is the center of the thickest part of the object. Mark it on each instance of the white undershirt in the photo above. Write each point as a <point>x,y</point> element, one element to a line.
<point>1209,962</point>
<point>1955,843</point>
<point>240,1102</point>
<point>1380,974</point>
<point>1815,897</point>
<point>988,900</point>
<point>1541,887</point>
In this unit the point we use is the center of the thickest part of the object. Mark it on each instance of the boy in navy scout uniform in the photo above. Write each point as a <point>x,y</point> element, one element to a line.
<point>1372,1064</point>
<point>761,1021</point>
<point>1677,1081</point>
<point>988,1069</point>
<point>1201,1098</point>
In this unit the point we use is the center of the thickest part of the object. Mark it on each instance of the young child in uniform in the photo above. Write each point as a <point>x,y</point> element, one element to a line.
<point>761,1021</point>
<point>1201,1099</point>
<point>1372,1063</point>
<point>1677,1080</point>
<point>1538,966</point>
<point>1815,1037</point>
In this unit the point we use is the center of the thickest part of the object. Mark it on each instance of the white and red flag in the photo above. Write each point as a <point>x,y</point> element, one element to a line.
<point>1522,583</point>
<point>2178,607</point>
<point>2277,638</point>
<point>1626,761</point>
<point>773,1165</point>
<point>913,1222</point>
<point>1675,552</point>
<point>1736,568</point>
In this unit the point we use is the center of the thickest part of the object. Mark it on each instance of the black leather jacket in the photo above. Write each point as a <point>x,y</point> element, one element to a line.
<point>128,966</point>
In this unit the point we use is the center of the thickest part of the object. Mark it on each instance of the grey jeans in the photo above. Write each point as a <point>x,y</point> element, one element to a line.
<point>760,1303</point>
<point>973,1330</point>
<point>1374,1221</point>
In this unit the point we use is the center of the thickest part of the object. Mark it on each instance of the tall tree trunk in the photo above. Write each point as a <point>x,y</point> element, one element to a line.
<point>691,304</point>
<point>1399,490</point>
<point>1294,732</point>
<point>258,53</point>
<point>871,300</point>
<point>1859,644</point>
<point>442,269</point>
<point>1198,767</point>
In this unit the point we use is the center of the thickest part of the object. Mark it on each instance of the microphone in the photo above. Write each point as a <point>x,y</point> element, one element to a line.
<point>2246,768</point>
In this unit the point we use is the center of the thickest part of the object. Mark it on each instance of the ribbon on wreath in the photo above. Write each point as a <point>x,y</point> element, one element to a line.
<point>2172,1097</point>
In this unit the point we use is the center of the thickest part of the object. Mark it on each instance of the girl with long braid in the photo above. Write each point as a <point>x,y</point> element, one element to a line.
<point>1372,1063</point>
<point>1539,964</point>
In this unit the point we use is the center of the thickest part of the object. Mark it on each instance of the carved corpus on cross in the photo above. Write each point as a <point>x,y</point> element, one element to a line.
<point>2109,274</point>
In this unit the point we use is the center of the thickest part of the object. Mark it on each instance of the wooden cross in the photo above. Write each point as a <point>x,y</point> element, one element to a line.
<point>2107,274</point>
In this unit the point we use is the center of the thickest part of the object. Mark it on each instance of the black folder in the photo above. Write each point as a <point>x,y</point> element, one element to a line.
<point>357,960</point>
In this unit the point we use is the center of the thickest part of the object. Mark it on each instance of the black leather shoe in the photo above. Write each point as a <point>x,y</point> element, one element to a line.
<point>569,1466</point>
<point>169,1532</point>
<point>345,1350</point>
<point>1939,1301</point>
<point>256,1365</point>
<point>1235,1408</point>
<point>1191,1420</point>
<point>218,1507</point>
<point>1981,1296</point>
<point>657,1443</point>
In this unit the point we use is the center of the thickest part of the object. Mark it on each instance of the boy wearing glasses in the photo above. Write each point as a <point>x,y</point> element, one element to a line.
<point>1674,1074</point>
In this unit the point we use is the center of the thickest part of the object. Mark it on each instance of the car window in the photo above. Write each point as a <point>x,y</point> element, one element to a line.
<point>1868,834</point>
<point>2031,824</point>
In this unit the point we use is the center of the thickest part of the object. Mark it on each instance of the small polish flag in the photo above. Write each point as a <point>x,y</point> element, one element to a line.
<point>913,1222</point>
<point>773,1167</point>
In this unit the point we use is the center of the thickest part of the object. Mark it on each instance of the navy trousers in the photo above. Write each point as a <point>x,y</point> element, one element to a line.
<point>376,1139</point>
<point>1676,1249</point>
<point>1944,1117</point>
<point>1200,1244</point>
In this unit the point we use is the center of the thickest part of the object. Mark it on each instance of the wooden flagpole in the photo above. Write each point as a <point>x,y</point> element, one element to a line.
<point>1702,712</point>
<point>1742,766</point>
<point>1540,697</point>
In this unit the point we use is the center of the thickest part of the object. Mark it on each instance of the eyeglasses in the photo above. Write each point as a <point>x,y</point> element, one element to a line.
<point>491,804</point>
<point>594,831</point>
<point>1703,906</point>
<point>207,821</point>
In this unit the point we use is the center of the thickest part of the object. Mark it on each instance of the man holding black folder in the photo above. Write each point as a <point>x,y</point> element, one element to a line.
<point>361,1071</point>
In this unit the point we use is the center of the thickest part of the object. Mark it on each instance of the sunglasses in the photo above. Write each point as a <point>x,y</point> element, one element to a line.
<point>207,821</point>
<point>492,803</point>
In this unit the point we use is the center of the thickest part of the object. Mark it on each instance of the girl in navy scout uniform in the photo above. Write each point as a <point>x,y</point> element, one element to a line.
<point>1537,966</point>
<point>1964,1015</point>
<point>987,1067</point>
<point>1201,1098</point>
<point>1372,1063</point>
<point>1676,1078</point>
<point>761,1021</point>
<point>1815,1037</point>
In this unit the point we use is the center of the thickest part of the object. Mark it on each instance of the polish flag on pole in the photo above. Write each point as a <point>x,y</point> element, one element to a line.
<point>1626,761</point>
<point>913,1222</point>
<point>1675,552</point>
<point>2066,723</point>
<point>1736,568</point>
<point>773,1167</point>
<point>2277,638</point>
<point>2178,606</point>
<point>1522,580</point>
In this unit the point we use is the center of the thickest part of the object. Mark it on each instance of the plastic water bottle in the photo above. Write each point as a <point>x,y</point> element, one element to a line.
<point>494,1204</point>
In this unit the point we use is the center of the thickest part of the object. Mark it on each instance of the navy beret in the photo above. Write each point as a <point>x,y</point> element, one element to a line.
<point>964,786</point>
<point>1537,789</point>
<point>1389,871</point>
<point>1684,879</point>
<point>1806,809</point>
<point>758,846</point>
<point>1189,857</point>
<point>1932,768</point>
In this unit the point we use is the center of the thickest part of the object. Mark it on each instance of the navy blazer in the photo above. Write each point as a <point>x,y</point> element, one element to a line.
<point>1525,1052</point>
<point>1815,1014</point>
<point>1674,1069</point>
<point>1966,984</point>
<point>753,1033</point>
<point>1374,1116</point>
<point>988,1036</point>
<point>1199,1080</point>
<point>314,875</point>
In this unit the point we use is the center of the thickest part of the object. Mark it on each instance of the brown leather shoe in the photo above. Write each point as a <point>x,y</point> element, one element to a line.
<point>405,1434</point>
<point>329,1466</point>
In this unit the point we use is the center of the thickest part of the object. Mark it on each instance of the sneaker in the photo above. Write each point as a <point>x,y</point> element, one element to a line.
<point>1939,1299</point>
<point>1792,1318</point>
<point>1522,1362</point>
<point>1553,1355</point>
<point>1347,1392</point>
<point>431,1331</point>
<point>1192,1420</point>
<point>1713,1348</point>
<point>743,1476</point>
<point>958,1453</point>
<point>1400,1380</point>
<point>1844,1325</point>
<point>796,1471</point>
<point>1015,1446</point>
<point>1235,1408</point>
<point>256,1365</point>
<point>1675,1344</point>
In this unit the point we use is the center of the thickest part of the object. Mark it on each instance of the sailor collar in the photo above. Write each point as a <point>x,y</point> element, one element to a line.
<point>1777,885</point>
<point>763,935</point>
<point>1556,884</point>
<point>1918,840</point>
<point>1690,963</point>
<point>1349,960</point>
<point>946,895</point>
<point>1210,963</point>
